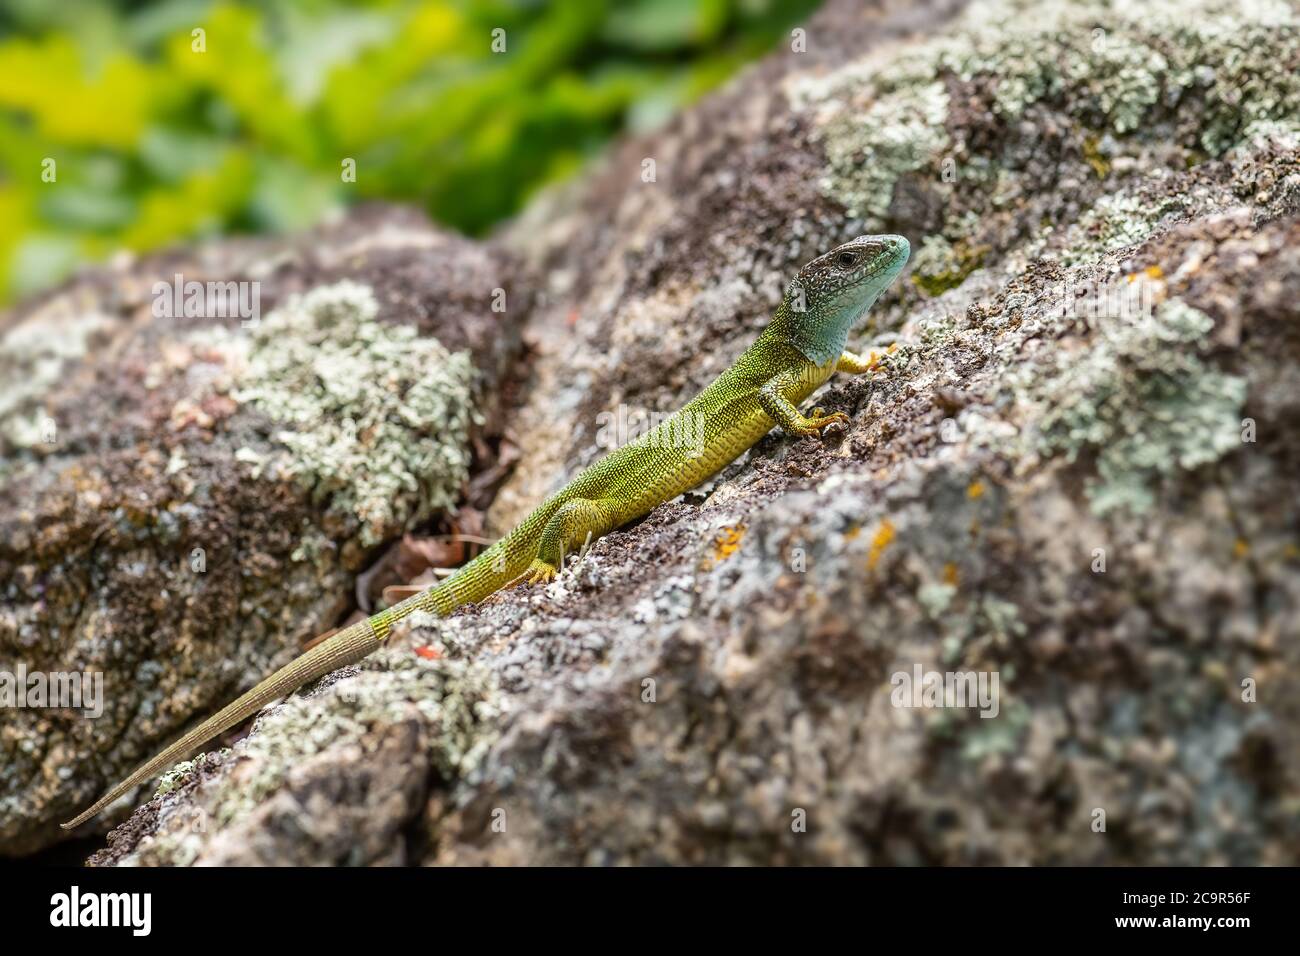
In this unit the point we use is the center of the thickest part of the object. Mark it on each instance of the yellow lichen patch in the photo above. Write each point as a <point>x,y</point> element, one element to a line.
<point>1155,273</point>
<point>1093,156</point>
<point>975,490</point>
<point>725,544</point>
<point>1240,548</point>
<point>884,535</point>
<point>853,532</point>
<point>950,574</point>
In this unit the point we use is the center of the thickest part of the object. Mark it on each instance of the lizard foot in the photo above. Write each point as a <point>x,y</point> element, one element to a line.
<point>539,572</point>
<point>819,420</point>
<point>876,360</point>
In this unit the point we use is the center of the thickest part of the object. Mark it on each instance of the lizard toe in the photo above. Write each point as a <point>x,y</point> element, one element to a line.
<point>539,572</point>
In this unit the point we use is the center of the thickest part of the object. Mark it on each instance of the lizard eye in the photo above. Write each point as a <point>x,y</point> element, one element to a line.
<point>845,260</point>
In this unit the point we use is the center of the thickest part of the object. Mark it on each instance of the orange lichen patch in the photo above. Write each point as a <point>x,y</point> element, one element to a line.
<point>427,652</point>
<point>950,574</point>
<point>725,544</point>
<point>1240,548</point>
<point>884,535</point>
<point>975,490</point>
<point>1150,272</point>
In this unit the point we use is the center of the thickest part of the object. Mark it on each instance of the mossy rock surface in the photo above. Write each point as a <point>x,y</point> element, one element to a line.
<point>1076,471</point>
<point>184,501</point>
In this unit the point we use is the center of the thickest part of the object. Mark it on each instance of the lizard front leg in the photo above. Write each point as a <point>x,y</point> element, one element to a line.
<point>772,398</point>
<point>570,526</point>
<point>856,364</point>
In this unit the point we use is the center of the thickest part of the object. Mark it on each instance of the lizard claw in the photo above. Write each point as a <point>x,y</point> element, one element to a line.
<point>539,572</point>
<point>820,420</point>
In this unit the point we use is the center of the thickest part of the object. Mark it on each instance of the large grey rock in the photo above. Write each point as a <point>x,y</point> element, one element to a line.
<point>184,502</point>
<point>1076,473</point>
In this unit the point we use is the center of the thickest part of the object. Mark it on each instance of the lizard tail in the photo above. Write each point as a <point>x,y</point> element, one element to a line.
<point>489,572</point>
<point>346,647</point>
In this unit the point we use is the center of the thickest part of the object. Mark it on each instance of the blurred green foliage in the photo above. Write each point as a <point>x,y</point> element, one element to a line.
<point>121,126</point>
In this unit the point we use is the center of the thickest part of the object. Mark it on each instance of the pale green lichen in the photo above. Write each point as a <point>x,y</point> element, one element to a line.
<point>1055,51</point>
<point>1112,223</point>
<point>457,703</point>
<point>376,416</point>
<point>1132,71</point>
<point>1001,617</point>
<point>935,597</point>
<point>987,738</point>
<point>33,355</point>
<point>868,152</point>
<point>178,775</point>
<point>1141,399</point>
<point>315,548</point>
<point>1131,392</point>
<point>940,265</point>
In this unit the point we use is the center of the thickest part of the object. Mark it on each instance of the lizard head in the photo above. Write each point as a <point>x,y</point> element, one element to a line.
<point>840,286</point>
<point>833,291</point>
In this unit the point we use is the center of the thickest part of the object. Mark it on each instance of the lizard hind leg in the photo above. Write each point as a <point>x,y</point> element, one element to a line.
<point>573,523</point>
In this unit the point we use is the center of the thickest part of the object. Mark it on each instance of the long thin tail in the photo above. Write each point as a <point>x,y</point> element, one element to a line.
<point>346,647</point>
<point>490,571</point>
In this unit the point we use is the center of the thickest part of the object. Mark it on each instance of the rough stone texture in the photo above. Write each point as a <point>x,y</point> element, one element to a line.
<point>157,451</point>
<point>1077,472</point>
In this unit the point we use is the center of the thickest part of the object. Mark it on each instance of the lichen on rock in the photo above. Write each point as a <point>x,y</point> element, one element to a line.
<point>1092,87</point>
<point>32,358</point>
<point>1139,397</point>
<point>1045,482</point>
<point>375,417</point>
<point>159,535</point>
<point>207,809</point>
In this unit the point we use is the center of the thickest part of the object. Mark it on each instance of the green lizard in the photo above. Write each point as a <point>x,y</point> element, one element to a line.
<point>800,348</point>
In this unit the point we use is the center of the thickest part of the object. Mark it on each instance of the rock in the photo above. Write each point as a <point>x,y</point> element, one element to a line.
<point>1074,480</point>
<point>202,502</point>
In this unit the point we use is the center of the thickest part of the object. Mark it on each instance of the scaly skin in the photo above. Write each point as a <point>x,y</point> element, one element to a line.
<point>799,350</point>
